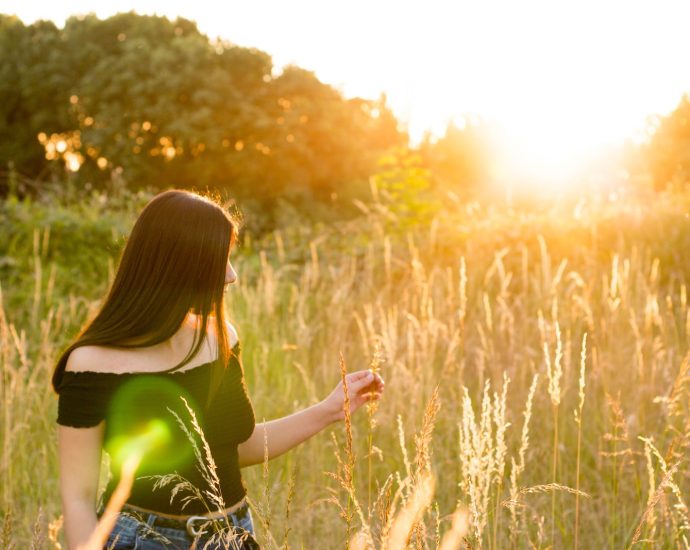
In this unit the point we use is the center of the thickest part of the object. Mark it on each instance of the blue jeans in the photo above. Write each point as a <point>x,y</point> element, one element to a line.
<point>131,533</point>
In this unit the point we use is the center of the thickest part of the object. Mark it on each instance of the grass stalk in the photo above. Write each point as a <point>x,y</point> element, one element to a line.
<point>578,419</point>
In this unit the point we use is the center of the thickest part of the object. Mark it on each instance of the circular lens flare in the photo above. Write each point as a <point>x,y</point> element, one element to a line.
<point>147,418</point>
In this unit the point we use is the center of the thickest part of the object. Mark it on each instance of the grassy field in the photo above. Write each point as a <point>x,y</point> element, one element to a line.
<point>534,367</point>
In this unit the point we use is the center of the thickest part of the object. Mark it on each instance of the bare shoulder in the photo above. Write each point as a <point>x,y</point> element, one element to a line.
<point>88,358</point>
<point>232,334</point>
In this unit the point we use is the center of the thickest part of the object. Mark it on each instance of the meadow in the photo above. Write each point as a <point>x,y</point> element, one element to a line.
<point>537,386</point>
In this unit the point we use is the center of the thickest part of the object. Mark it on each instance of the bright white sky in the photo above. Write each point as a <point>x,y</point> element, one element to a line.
<point>560,79</point>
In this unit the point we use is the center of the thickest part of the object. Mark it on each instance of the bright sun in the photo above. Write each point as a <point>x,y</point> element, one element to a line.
<point>547,153</point>
<point>559,80</point>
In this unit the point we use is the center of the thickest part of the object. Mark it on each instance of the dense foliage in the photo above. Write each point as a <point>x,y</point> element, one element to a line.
<point>668,152</point>
<point>158,103</point>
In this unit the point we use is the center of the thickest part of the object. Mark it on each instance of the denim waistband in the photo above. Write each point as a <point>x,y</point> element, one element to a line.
<point>152,519</point>
<point>134,528</point>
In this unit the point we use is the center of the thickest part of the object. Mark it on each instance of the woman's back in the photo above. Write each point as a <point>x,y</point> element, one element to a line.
<point>148,359</point>
<point>176,260</point>
<point>146,410</point>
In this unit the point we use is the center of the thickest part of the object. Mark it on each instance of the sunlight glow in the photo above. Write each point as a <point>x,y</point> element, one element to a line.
<point>558,81</point>
<point>73,161</point>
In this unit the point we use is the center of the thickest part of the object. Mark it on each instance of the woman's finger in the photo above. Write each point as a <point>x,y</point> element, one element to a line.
<point>354,376</point>
<point>362,381</point>
<point>357,375</point>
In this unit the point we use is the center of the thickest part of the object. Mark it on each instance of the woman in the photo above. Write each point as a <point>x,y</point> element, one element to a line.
<point>157,357</point>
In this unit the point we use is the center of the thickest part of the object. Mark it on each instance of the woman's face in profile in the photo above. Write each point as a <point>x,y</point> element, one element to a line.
<point>230,274</point>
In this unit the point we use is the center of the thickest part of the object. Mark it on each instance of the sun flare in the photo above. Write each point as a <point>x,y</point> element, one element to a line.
<point>559,82</point>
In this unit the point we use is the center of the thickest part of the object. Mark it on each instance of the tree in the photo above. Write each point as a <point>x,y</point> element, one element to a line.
<point>668,151</point>
<point>160,104</point>
<point>459,160</point>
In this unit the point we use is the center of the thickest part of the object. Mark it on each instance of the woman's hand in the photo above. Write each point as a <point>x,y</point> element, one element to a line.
<point>282,434</point>
<point>362,386</point>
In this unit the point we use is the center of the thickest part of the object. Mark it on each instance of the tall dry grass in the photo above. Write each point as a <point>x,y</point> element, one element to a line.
<point>481,314</point>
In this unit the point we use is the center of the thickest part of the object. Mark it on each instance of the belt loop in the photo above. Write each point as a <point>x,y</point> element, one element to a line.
<point>151,519</point>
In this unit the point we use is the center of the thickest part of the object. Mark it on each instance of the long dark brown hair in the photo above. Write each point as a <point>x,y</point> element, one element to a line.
<point>174,261</point>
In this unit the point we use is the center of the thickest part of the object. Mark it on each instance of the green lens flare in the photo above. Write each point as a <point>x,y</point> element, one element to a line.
<point>141,422</point>
<point>156,434</point>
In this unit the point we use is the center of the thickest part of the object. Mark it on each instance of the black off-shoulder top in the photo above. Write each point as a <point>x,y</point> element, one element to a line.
<point>145,412</point>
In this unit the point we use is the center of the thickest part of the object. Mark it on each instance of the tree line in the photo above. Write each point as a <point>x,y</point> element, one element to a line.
<point>157,103</point>
<point>160,103</point>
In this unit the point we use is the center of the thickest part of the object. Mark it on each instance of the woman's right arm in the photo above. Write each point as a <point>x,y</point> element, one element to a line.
<point>79,451</point>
